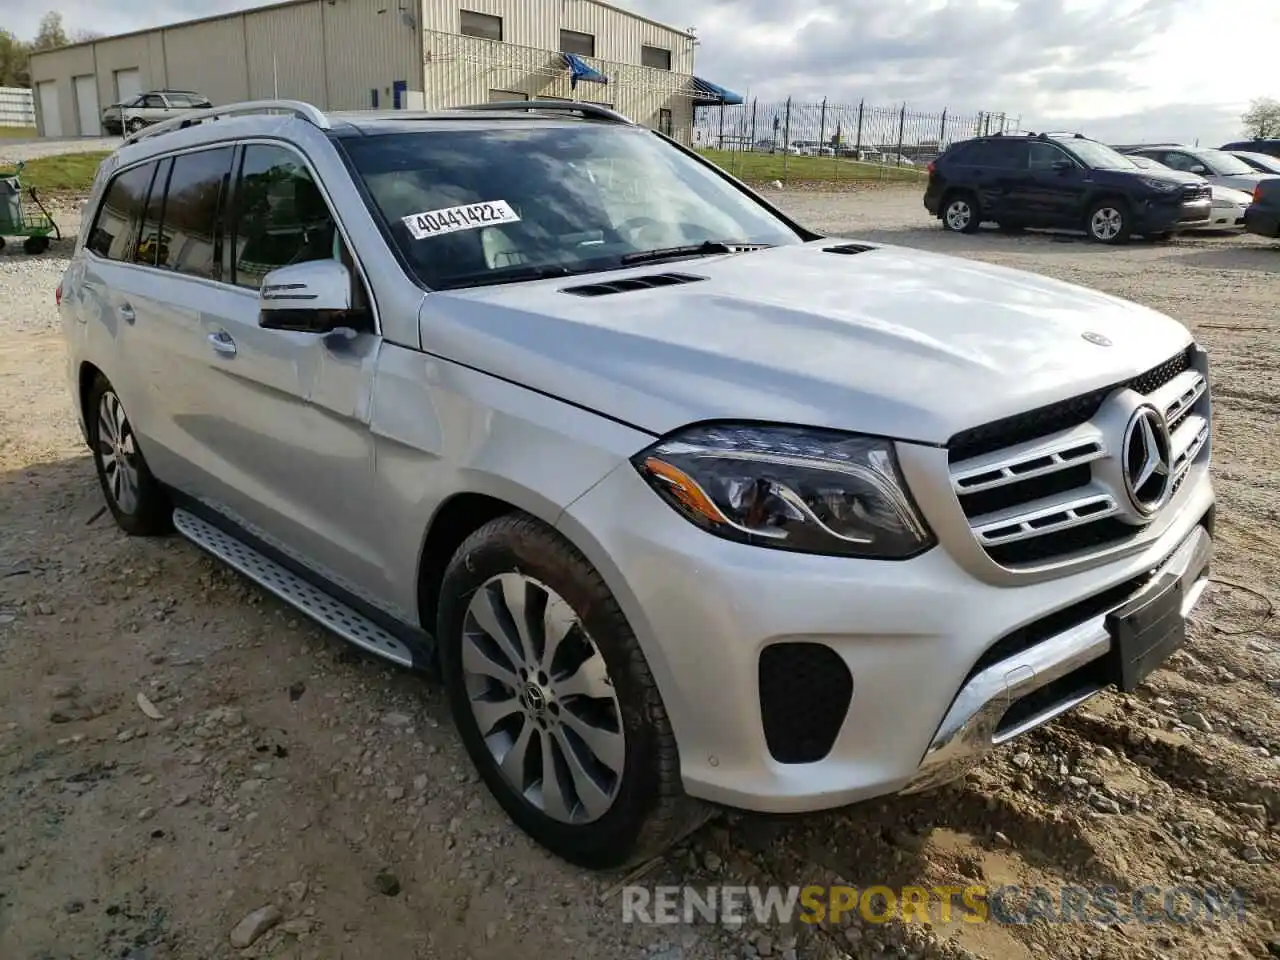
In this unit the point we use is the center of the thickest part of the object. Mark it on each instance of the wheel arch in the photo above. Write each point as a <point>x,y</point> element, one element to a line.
<point>85,377</point>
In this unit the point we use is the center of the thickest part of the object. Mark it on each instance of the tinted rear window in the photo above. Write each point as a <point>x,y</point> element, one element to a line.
<point>115,229</point>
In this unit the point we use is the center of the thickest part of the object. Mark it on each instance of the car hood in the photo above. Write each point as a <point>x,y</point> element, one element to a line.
<point>1241,181</point>
<point>890,341</point>
<point>1167,174</point>
<point>1231,195</point>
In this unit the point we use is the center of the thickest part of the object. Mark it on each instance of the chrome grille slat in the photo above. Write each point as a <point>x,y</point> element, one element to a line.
<point>1042,517</point>
<point>1068,448</point>
<point>1048,484</point>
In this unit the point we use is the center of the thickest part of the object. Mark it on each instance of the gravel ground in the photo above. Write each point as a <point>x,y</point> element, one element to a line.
<point>289,773</point>
<point>11,151</point>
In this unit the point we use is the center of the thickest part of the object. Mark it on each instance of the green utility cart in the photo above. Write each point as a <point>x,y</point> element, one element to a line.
<point>24,218</point>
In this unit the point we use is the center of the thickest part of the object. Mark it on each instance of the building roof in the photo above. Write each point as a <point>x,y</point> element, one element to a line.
<point>297,3</point>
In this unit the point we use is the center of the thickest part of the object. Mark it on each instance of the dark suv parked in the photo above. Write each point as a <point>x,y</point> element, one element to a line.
<point>1046,180</point>
<point>1268,145</point>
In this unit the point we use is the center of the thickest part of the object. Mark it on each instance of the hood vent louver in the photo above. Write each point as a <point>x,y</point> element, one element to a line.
<point>848,249</point>
<point>631,283</point>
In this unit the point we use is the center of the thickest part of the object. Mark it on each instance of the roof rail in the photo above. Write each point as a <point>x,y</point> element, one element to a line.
<point>304,111</point>
<point>592,110</point>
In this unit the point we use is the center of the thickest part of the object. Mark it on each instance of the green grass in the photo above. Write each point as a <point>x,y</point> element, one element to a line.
<point>63,173</point>
<point>766,167</point>
<point>17,133</point>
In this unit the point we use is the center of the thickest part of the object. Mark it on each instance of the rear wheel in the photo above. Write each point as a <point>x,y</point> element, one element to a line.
<point>554,700</point>
<point>135,498</point>
<point>1108,222</point>
<point>960,213</point>
<point>35,245</point>
<point>134,125</point>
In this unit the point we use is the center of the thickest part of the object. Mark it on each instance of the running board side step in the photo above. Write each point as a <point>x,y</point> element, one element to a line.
<point>300,594</point>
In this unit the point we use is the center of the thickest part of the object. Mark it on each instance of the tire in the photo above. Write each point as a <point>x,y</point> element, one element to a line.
<point>635,806</point>
<point>135,498</point>
<point>960,213</point>
<point>1109,222</point>
<point>1,243</point>
<point>35,245</point>
<point>134,125</point>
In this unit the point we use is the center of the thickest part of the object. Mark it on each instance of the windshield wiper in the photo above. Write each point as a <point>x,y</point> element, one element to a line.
<point>706,248</point>
<point>516,274</point>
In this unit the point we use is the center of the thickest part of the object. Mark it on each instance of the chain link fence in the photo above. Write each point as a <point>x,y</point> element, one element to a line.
<point>823,142</point>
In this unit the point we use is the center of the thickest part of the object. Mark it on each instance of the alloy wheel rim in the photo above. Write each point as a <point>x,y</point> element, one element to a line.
<point>958,214</point>
<point>119,452</point>
<point>1106,223</point>
<point>541,695</point>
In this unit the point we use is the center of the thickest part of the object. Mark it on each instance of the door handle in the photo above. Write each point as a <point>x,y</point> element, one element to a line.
<point>223,343</point>
<point>126,313</point>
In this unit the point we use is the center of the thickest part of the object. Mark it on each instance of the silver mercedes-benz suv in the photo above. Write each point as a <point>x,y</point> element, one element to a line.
<point>687,504</point>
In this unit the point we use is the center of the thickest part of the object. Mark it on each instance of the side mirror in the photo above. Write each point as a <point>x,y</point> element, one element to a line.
<point>312,297</point>
<point>1062,166</point>
<point>1199,168</point>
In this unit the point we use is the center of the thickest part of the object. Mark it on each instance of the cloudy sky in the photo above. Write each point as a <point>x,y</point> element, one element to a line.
<point>1115,69</point>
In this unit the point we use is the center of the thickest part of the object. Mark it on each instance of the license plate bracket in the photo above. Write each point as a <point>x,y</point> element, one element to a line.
<point>1145,631</point>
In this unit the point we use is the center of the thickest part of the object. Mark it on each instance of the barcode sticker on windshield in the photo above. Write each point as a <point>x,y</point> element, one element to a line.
<point>469,216</point>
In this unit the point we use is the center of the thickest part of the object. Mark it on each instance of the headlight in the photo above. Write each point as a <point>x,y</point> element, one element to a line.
<point>811,491</point>
<point>1164,186</point>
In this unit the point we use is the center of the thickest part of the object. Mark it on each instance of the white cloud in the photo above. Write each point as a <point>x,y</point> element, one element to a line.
<point>1115,69</point>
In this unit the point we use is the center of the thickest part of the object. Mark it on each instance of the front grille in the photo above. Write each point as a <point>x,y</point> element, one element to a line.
<point>805,692</point>
<point>1031,486</point>
<point>1193,191</point>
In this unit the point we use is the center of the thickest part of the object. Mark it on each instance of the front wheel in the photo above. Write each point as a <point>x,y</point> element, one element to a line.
<point>35,245</point>
<point>1108,222</point>
<point>960,214</point>
<point>134,125</point>
<point>554,700</point>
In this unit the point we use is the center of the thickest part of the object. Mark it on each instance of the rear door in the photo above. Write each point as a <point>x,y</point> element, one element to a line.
<point>985,167</point>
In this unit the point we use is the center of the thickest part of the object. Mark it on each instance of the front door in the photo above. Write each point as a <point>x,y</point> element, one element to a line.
<point>1051,185</point>
<point>280,419</point>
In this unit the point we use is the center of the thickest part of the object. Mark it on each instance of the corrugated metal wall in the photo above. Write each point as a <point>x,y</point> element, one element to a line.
<point>208,57</point>
<point>336,53</point>
<point>537,23</point>
<point>299,29</point>
<point>468,70</point>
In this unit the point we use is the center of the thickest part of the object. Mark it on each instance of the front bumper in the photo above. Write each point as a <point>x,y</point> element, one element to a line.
<point>910,635</point>
<point>979,718</point>
<point>1175,216</point>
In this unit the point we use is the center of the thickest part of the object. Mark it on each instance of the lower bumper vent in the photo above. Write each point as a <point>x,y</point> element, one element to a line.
<point>805,692</point>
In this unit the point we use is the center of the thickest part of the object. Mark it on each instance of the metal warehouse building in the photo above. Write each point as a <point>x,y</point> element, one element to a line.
<point>402,54</point>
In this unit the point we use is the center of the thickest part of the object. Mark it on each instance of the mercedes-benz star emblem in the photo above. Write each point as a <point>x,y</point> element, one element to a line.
<point>1147,477</point>
<point>1096,338</point>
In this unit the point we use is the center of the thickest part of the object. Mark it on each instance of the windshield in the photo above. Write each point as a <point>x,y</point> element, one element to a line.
<point>1223,164</point>
<point>1098,155</point>
<point>469,207</point>
<point>1260,161</point>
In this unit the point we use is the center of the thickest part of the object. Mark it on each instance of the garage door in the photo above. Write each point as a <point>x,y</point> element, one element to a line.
<point>87,113</point>
<point>128,84</point>
<point>48,93</point>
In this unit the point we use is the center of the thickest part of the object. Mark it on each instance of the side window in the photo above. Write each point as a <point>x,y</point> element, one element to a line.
<point>1042,156</point>
<point>154,100</point>
<point>991,153</point>
<point>282,217</point>
<point>150,242</point>
<point>1179,161</point>
<point>192,231</point>
<point>115,228</point>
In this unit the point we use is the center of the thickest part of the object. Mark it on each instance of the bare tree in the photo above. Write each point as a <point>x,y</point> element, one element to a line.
<point>51,34</point>
<point>1262,119</point>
